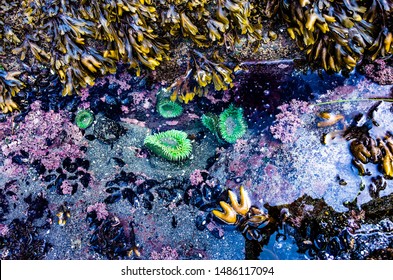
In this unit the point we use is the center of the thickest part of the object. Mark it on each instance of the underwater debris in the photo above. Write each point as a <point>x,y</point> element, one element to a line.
<point>172,145</point>
<point>250,220</point>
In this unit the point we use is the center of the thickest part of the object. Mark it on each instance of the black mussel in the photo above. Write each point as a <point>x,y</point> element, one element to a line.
<point>216,233</point>
<point>111,100</point>
<point>51,187</point>
<point>176,196</point>
<point>320,242</point>
<point>146,185</point>
<point>74,188</point>
<point>19,159</point>
<point>83,149</point>
<point>112,189</point>
<point>115,197</point>
<point>20,117</point>
<point>24,154</point>
<point>207,193</point>
<point>164,193</point>
<point>59,180</point>
<point>207,207</point>
<point>73,177</point>
<point>200,222</point>
<point>196,198</point>
<point>147,204</point>
<point>49,178</point>
<point>126,101</point>
<point>10,193</point>
<point>119,161</point>
<point>217,191</point>
<point>149,196</point>
<point>334,247</point>
<point>85,180</point>
<point>39,167</point>
<point>80,173</point>
<point>131,196</point>
<point>84,163</point>
<point>174,222</point>
<point>90,137</point>
<point>69,166</point>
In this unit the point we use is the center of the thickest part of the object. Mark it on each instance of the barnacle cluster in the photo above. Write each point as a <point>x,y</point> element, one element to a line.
<point>229,125</point>
<point>249,219</point>
<point>336,34</point>
<point>172,145</point>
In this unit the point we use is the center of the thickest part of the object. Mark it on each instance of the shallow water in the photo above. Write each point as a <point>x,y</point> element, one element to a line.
<point>128,202</point>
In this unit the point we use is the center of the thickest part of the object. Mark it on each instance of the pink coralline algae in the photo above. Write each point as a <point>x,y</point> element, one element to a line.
<point>48,137</point>
<point>112,80</point>
<point>289,120</point>
<point>4,230</point>
<point>167,253</point>
<point>379,72</point>
<point>100,209</point>
<point>196,177</point>
<point>66,187</point>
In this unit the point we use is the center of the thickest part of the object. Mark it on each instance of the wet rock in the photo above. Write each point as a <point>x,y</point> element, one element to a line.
<point>107,130</point>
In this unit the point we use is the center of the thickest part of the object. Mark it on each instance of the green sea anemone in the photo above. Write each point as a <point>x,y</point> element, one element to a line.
<point>172,145</point>
<point>210,121</point>
<point>231,124</point>
<point>84,119</point>
<point>169,109</point>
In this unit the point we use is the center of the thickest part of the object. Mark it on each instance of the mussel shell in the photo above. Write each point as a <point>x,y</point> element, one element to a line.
<point>334,247</point>
<point>112,189</point>
<point>49,178</point>
<point>320,242</point>
<point>85,180</point>
<point>200,222</point>
<point>207,193</point>
<point>130,195</point>
<point>147,204</point>
<point>113,198</point>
